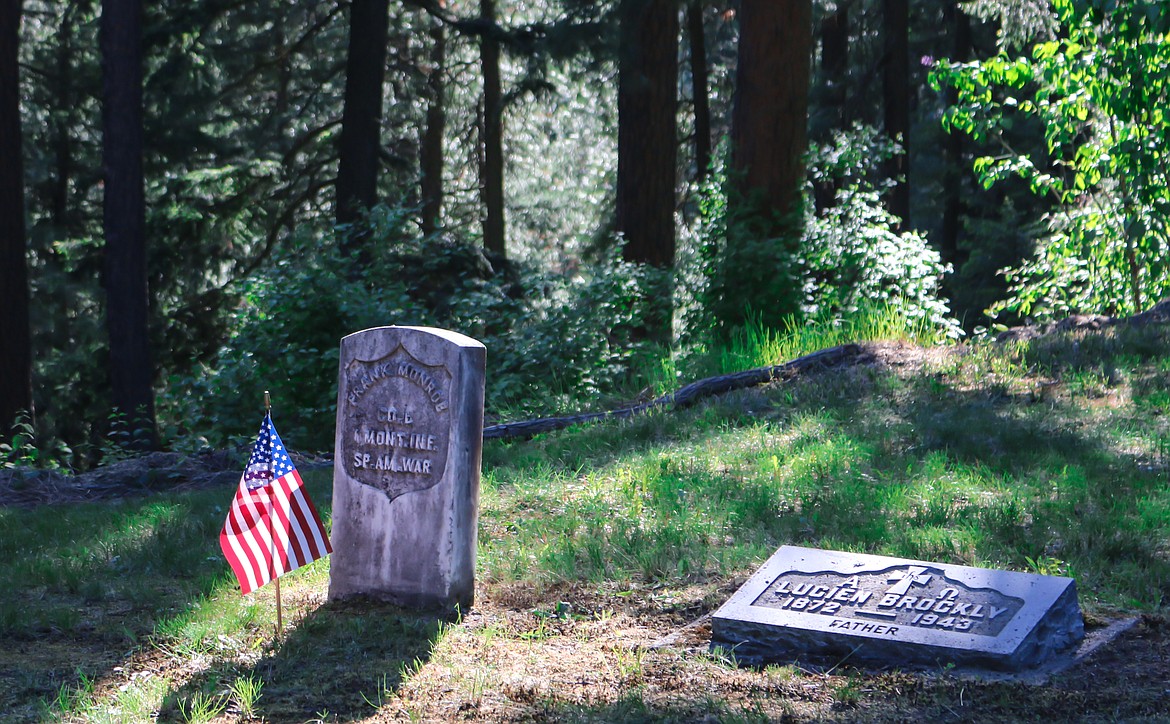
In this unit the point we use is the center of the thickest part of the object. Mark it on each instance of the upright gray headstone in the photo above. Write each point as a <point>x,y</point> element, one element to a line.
<point>406,466</point>
<point>829,607</point>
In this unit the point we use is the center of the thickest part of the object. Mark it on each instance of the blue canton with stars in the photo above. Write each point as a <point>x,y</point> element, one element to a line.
<point>269,459</point>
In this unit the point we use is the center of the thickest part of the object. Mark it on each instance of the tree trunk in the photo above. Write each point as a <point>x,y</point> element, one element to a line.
<point>699,91</point>
<point>361,121</point>
<point>834,33</point>
<point>15,341</point>
<point>432,140</point>
<point>953,150</point>
<point>770,115</point>
<point>63,123</point>
<point>647,143</point>
<point>124,219</point>
<point>283,76</point>
<point>896,101</point>
<point>492,182</point>
<point>769,139</point>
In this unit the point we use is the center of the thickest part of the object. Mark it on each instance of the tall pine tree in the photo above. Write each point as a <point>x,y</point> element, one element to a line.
<point>15,343</point>
<point>768,138</point>
<point>647,146</point>
<point>648,149</point>
<point>124,219</point>
<point>492,135</point>
<point>361,124</point>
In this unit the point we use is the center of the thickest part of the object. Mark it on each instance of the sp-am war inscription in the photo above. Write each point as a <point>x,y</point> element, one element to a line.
<point>398,416</point>
<point>814,605</point>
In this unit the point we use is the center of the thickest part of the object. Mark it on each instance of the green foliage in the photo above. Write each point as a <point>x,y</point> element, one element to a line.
<point>246,691</point>
<point>21,450</point>
<point>849,261</point>
<point>202,707</point>
<point>1018,22</point>
<point>554,342</point>
<point>757,345</point>
<point>569,339</point>
<point>853,255</point>
<point>285,340</point>
<point>1099,90</point>
<point>238,112</point>
<point>748,258</point>
<point>855,258</point>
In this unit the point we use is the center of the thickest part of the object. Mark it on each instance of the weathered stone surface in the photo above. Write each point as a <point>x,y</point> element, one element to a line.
<point>826,606</point>
<point>406,467</point>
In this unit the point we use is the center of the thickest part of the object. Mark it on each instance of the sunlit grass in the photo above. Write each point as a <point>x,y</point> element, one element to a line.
<point>758,345</point>
<point>964,462</point>
<point>968,460</point>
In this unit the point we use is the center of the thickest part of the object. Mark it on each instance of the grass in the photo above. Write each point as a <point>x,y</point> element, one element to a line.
<point>246,691</point>
<point>1050,457</point>
<point>759,346</point>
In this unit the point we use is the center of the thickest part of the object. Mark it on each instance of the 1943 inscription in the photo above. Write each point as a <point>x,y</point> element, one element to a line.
<point>397,416</point>
<point>881,602</point>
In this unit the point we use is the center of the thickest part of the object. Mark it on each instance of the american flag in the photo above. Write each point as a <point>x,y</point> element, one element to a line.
<point>272,527</point>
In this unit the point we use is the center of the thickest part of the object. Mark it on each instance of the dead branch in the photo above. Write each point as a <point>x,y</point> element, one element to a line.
<point>688,395</point>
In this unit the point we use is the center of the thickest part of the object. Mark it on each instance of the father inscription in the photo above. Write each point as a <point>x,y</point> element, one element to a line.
<point>828,606</point>
<point>406,466</point>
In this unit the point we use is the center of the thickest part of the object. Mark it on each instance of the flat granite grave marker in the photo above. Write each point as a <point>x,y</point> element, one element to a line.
<point>826,606</point>
<point>406,466</point>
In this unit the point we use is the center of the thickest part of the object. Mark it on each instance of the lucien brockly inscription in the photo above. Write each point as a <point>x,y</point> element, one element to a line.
<point>911,595</point>
<point>398,412</point>
<point>828,606</point>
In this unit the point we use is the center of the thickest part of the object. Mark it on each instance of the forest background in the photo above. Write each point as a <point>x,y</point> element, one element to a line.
<point>197,200</point>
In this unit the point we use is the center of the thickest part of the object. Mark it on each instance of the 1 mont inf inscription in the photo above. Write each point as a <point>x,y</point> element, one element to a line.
<point>397,411</point>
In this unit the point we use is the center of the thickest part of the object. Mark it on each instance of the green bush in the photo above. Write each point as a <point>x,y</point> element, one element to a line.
<point>748,260</point>
<point>1096,88</point>
<point>553,341</point>
<point>851,257</point>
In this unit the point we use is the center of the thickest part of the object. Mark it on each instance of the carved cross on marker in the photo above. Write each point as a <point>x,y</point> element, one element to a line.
<point>914,575</point>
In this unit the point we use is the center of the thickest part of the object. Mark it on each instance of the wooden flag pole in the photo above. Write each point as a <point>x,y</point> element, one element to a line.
<point>272,532</point>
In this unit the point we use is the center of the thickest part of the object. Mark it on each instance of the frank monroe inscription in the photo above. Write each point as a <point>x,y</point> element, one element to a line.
<point>398,412</point>
<point>823,605</point>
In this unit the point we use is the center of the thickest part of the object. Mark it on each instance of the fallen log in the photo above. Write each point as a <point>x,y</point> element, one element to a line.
<point>687,395</point>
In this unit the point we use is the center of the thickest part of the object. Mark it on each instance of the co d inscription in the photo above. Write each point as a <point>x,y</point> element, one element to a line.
<point>398,412</point>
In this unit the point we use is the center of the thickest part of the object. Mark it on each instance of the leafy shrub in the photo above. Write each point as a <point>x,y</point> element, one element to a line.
<point>748,261</point>
<point>851,258</point>
<point>569,341</point>
<point>1095,87</point>
<point>553,341</point>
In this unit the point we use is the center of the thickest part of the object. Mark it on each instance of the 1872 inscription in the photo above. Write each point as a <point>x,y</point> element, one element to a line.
<point>910,595</point>
<point>398,412</point>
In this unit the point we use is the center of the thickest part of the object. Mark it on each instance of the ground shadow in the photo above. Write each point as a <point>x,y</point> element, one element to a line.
<point>1008,432</point>
<point>89,586</point>
<point>341,662</point>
